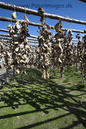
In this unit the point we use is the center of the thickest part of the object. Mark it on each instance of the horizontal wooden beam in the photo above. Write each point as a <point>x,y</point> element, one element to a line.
<point>6,38</point>
<point>15,20</point>
<point>31,40</point>
<point>75,40</point>
<point>33,36</point>
<point>37,13</point>
<point>33,45</point>
<point>83,0</point>
<point>37,24</point>
<point>4,30</point>
<point>7,35</point>
<point>74,30</point>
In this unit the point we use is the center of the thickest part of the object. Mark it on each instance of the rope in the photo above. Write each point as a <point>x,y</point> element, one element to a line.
<point>70,25</point>
<point>46,19</point>
<point>14,7</point>
<point>25,11</point>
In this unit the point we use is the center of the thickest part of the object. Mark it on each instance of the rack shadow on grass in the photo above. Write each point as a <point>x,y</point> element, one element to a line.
<point>37,92</point>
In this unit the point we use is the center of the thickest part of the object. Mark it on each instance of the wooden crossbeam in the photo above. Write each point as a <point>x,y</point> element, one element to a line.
<point>37,13</point>
<point>37,24</point>
<point>4,35</point>
<point>4,30</point>
<point>29,40</point>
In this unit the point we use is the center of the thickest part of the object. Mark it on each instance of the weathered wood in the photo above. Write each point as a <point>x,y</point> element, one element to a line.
<point>33,41</point>
<point>4,30</point>
<point>74,30</point>
<point>6,35</point>
<point>7,75</point>
<point>33,36</point>
<point>33,45</point>
<point>13,72</point>
<point>29,44</point>
<point>37,13</point>
<point>38,24</point>
<point>7,19</point>
<point>75,40</point>
<point>62,72</point>
<point>6,38</point>
<point>15,20</point>
<point>28,41</point>
<point>10,36</point>
<point>83,1</point>
<point>51,70</point>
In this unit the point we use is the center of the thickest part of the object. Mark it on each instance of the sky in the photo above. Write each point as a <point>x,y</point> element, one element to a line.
<point>72,8</point>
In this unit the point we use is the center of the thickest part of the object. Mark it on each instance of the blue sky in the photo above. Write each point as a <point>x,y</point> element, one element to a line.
<point>75,9</point>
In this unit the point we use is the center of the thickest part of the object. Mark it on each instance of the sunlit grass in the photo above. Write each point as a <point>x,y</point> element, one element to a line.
<point>28,101</point>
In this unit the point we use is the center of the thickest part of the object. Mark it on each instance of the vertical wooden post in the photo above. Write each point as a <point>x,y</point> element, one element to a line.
<point>30,65</point>
<point>53,71</point>
<point>7,71</point>
<point>62,72</point>
<point>13,72</point>
<point>76,59</point>
<point>50,69</point>
<point>7,75</point>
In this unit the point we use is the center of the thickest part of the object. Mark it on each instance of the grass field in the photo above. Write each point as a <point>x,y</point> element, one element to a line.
<point>30,102</point>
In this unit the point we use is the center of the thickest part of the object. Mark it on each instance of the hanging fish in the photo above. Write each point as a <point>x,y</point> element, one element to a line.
<point>14,15</point>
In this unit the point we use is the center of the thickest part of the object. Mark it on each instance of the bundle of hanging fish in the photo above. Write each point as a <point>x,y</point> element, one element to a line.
<point>44,48</point>
<point>57,49</point>
<point>5,54</point>
<point>84,56</point>
<point>75,55</point>
<point>20,46</point>
<point>35,55</point>
<point>2,51</point>
<point>67,49</point>
<point>32,55</point>
<point>1,48</point>
<point>79,51</point>
<point>62,48</point>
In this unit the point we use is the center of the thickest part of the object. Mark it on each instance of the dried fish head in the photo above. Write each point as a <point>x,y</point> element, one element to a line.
<point>14,15</point>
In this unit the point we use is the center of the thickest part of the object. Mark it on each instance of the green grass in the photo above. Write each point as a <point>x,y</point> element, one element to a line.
<point>30,102</point>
